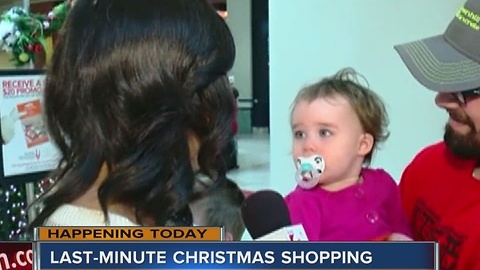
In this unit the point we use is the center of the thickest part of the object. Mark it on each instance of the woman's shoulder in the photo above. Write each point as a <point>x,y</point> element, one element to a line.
<point>73,215</point>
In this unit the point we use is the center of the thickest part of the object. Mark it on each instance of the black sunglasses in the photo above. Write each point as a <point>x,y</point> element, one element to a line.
<point>463,96</point>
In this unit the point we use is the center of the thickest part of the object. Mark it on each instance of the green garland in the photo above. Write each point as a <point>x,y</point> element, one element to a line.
<point>25,34</point>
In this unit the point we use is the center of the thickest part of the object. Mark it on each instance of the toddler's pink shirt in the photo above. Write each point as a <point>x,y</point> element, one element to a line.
<point>362,212</point>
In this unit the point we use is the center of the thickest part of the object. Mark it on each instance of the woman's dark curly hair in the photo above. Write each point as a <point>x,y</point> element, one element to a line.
<point>128,82</point>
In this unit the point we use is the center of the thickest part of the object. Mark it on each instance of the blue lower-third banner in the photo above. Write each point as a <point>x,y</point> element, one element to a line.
<point>235,255</point>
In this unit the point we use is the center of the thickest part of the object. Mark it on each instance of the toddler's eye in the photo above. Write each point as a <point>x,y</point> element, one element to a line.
<point>299,134</point>
<point>324,132</point>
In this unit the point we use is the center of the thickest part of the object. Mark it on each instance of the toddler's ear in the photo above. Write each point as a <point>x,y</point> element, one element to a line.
<point>366,144</point>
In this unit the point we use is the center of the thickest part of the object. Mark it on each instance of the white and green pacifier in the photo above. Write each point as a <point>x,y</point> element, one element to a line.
<point>309,170</point>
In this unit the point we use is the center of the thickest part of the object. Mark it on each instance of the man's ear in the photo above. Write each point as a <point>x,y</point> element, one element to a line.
<point>228,236</point>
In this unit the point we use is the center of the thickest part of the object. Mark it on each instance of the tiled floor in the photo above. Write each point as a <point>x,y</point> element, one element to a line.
<point>254,162</point>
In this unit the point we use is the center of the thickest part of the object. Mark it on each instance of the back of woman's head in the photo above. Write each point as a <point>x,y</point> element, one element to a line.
<point>128,84</point>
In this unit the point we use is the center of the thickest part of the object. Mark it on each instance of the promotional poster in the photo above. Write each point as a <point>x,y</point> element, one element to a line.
<point>26,146</point>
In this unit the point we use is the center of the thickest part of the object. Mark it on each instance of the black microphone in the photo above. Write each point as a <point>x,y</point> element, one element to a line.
<point>263,212</point>
<point>266,218</point>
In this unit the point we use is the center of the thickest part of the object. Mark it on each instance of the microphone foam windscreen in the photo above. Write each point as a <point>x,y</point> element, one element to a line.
<point>263,212</point>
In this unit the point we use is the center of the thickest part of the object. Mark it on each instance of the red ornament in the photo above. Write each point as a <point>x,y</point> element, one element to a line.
<point>30,47</point>
<point>46,184</point>
<point>37,48</point>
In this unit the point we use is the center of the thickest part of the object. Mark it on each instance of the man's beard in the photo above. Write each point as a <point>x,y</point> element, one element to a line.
<point>465,146</point>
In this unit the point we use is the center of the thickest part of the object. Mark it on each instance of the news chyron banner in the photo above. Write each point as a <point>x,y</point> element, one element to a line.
<point>127,234</point>
<point>20,255</point>
<point>203,248</point>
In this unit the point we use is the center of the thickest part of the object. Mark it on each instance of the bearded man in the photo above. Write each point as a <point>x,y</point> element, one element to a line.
<point>441,187</point>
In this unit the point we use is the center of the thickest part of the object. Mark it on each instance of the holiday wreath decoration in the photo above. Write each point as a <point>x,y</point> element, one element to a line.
<point>25,34</point>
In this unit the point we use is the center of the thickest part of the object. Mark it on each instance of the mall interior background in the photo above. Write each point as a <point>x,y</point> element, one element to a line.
<point>283,45</point>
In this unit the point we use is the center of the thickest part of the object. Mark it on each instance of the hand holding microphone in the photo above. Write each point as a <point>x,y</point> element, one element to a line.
<point>267,218</point>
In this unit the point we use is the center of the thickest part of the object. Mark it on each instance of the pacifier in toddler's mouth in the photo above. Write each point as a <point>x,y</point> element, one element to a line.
<point>309,170</point>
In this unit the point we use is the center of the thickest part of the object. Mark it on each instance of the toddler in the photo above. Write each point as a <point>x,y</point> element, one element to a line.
<point>338,123</point>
